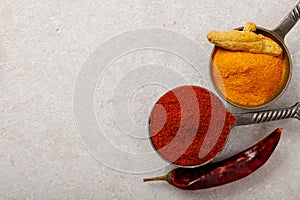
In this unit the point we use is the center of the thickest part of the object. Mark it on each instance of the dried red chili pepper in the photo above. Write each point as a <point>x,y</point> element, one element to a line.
<point>189,125</point>
<point>225,171</point>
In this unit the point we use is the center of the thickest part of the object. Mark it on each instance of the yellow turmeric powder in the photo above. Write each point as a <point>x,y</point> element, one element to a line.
<point>247,79</point>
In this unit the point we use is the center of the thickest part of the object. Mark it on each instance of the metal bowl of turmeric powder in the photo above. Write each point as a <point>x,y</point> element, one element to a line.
<point>251,66</point>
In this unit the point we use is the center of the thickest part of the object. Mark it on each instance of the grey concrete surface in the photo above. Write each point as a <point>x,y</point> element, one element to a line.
<point>51,149</point>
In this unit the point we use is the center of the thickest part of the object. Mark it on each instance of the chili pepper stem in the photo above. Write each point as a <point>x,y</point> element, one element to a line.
<point>159,178</point>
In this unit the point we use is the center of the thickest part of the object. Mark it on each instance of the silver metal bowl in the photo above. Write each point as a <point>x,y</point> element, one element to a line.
<point>277,35</point>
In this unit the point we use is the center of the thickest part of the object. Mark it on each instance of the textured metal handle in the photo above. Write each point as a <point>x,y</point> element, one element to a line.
<point>269,115</point>
<point>272,115</point>
<point>288,22</point>
<point>295,13</point>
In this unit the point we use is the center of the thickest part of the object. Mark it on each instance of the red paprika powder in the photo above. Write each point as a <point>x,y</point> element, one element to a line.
<point>189,125</point>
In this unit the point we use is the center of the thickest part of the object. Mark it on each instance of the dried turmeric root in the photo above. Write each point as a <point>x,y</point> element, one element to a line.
<point>245,40</point>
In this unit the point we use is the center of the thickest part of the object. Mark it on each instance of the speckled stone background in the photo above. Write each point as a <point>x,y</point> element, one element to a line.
<point>44,45</point>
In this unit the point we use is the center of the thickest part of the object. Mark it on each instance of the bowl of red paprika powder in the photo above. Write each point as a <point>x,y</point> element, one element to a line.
<point>189,126</point>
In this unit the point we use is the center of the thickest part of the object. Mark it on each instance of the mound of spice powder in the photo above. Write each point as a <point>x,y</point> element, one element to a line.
<point>248,79</point>
<point>189,125</point>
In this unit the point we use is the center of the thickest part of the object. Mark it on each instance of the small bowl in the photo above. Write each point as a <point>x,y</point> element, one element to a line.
<point>277,35</point>
<point>287,72</point>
